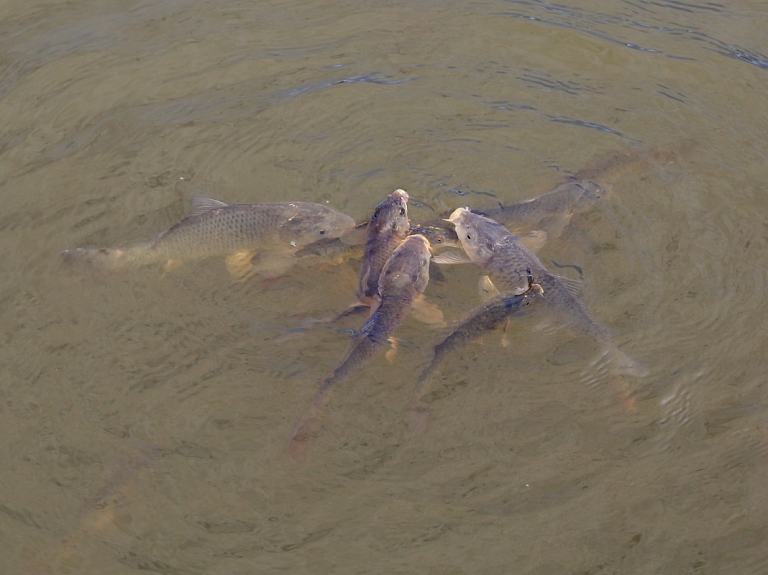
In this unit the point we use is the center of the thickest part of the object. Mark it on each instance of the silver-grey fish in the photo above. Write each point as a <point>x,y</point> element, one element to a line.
<point>555,206</point>
<point>401,282</point>
<point>490,315</point>
<point>501,254</point>
<point>239,231</point>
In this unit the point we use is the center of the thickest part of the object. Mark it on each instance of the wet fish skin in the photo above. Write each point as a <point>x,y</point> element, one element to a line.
<point>490,315</point>
<point>217,228</point>
<point>403,279</point>
<point>387,228</point>
<point>500,253</point>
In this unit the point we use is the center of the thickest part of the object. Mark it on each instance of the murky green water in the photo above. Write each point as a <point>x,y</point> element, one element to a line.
<point>144,416</point>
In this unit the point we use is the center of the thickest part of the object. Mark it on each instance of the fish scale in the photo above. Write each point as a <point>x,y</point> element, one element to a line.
<point>402,281</point>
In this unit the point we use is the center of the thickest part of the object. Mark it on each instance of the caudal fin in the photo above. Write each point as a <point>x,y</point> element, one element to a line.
<point>621,364</point>
<point>92,258</point>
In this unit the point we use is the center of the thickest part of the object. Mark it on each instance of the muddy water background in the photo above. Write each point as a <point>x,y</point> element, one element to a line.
<point>144,418</point>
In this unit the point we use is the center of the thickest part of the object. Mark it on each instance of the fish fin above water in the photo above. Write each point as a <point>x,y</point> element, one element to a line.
<point>535,240</point>
<point>452,257</point>
<point>555,224</point>
<point>486,288</point>
<point>427,312</point>
<point>201,204</point>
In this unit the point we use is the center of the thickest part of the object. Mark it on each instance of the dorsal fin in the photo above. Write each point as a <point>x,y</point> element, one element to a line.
<point>201,204</point>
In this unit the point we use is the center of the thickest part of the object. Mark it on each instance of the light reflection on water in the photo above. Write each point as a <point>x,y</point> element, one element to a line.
<point>145,416</point>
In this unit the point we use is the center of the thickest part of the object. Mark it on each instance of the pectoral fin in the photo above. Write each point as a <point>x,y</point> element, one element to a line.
<point>268,264</point>
<point>392,352</point>
<point>171,265</point>
<point>487,289</point>
<point>356,236</point>
<point>452,257</point>
<point>535,240</point>
<point>427,312</point>
<point>504,339</point>
<point>239,265</point>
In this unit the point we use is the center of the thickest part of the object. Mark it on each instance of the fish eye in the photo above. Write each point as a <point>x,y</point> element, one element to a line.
<point>469,236</point>
<point>402,211</point>
<point>321,232</point>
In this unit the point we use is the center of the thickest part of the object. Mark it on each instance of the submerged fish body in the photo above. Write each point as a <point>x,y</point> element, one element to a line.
<point>387,228</point>
<point>508,263</point>
<point>217,228</point>
<point>490,315</point>
<point>401,282</point>
<point>403,279</point>
<point>569,198</point>
<point>438,232</point>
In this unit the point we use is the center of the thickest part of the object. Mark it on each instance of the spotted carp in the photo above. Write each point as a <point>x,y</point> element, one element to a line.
<point>490,315</point>
<point>401,282</point>
<point>507,262</point>
<point>264,235</point>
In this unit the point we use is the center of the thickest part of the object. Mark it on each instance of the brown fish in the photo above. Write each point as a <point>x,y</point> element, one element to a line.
<point>401,283</point>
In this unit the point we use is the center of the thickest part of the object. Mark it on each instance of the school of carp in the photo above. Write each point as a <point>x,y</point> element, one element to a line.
<point>268,238</point>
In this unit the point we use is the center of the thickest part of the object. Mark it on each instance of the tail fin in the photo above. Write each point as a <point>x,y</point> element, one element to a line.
<point>92,258</point>
<point>622,364</point>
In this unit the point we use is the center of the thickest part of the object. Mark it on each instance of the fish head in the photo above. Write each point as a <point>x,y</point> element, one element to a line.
<point>407,266</point>
<point>438,232</point>
<point>312,224</point>
<point>391,215</point>
<point>591,193</point>
<point>478,235</point>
